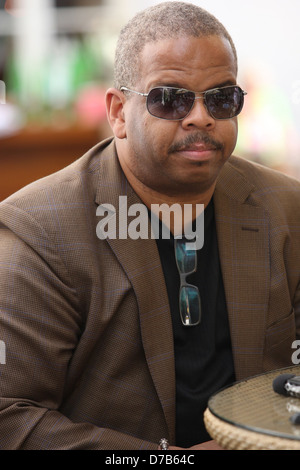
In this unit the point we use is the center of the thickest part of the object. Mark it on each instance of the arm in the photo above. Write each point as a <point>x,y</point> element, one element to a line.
<point>40,325</point>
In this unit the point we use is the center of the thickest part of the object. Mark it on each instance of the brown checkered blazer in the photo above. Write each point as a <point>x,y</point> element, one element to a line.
<point>86,322</point>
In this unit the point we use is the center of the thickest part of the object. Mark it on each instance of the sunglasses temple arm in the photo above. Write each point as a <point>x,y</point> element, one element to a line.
<point>133,91</point>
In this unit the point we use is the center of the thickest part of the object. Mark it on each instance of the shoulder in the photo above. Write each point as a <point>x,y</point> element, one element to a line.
<point>66,185</point>
<point>257,185</point>
<point>58,203</point>
<point>262,176</point>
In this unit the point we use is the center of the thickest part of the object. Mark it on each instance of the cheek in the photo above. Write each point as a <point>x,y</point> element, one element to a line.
<point>137,126</point>
<point>153,137</point>
<point>230,134</point>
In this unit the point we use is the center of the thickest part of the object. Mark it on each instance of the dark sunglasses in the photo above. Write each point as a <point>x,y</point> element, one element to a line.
<point>189,296</point>
<point>175,104</point>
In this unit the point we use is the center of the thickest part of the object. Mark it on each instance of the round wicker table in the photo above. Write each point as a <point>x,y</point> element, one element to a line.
<point>249,415</point>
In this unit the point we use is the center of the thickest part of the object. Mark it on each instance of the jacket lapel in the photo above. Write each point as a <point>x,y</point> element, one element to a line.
<point>243,237</point>
<point>140,260</point>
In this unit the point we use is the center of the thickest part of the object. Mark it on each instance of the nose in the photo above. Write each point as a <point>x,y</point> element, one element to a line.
<point>199,116</point>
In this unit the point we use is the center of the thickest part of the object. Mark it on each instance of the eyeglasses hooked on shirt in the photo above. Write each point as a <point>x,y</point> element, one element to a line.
<point>189,296</point>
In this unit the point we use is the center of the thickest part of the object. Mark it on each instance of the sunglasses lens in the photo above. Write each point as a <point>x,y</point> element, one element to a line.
<point>186,258</point>
<point>189,305</point>
<point>170,103</point>
<point>225,103</point>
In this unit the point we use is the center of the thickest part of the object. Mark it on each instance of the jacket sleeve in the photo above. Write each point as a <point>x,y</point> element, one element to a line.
<point>40,325</point>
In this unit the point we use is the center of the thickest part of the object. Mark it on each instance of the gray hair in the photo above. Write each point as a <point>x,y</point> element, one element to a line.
<point>163,21</point>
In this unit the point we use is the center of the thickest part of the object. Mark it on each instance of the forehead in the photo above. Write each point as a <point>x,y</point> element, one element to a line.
<point>188,62</point>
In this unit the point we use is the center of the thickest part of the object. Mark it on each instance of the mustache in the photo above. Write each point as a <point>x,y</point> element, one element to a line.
<point>196,138</point>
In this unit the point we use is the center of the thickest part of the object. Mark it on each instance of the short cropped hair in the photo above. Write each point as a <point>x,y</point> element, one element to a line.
<point>168,20</point>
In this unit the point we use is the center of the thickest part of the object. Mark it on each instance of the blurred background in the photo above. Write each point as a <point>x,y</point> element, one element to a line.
<point>56,59</point>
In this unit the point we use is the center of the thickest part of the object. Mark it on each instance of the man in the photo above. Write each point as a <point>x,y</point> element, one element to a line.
<point>99,354</point>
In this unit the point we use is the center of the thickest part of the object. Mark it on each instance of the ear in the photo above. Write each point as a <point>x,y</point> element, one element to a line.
<point>115,101</point>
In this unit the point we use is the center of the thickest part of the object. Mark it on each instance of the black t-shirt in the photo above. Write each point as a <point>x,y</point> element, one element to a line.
<point>203,355</point>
